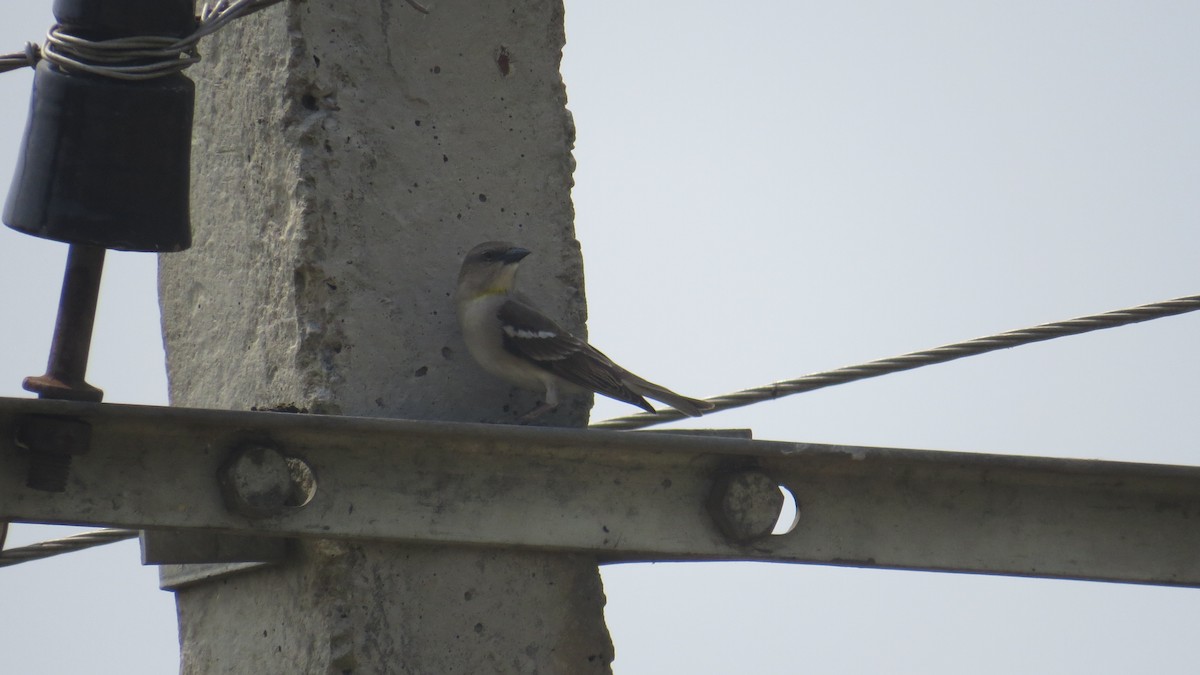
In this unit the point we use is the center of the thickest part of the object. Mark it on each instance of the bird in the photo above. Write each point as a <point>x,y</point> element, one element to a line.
<point>509,337</point>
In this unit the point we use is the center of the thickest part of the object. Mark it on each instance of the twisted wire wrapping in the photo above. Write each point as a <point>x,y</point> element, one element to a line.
<point>112,58</point>
<point>895,364</point>
<point>165,55</point>
<point>77,542</point>
<point>28,57</point>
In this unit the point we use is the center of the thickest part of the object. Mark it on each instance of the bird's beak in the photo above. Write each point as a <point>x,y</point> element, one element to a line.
<point>514,255</point>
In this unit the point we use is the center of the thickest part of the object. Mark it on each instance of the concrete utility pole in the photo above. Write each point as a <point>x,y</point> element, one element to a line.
<point>345,159</point>
<point>346,155</point>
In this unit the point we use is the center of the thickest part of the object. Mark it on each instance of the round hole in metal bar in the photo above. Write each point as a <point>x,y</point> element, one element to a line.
<point>303,483</point>
<point>789,513</point>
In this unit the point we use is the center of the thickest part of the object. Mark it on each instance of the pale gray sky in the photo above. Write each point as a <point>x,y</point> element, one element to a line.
<point>787,188</point>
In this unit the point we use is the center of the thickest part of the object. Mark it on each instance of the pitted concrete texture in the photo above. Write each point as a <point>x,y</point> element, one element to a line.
<point>338,608</point>
<point>346,156</point>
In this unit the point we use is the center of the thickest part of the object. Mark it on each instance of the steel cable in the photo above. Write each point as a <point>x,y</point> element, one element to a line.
<point>895,364</point>
<point>77,542</point>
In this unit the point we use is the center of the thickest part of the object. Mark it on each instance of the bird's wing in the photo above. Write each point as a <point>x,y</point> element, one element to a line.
<point>531,335</point>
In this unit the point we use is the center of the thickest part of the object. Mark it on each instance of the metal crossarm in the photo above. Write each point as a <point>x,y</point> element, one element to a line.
<point>619,496</point>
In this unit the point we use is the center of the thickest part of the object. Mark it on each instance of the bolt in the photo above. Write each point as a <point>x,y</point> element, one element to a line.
<point>257,481</point>
<point>67,366</point>
<point>48,471</point>
<point>51,442</point>
<point>51,451</point>
<point>745,505</point>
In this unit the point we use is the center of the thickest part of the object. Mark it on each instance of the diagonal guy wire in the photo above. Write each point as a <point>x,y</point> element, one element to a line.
<point>78,542</point>
<point>895,364</point>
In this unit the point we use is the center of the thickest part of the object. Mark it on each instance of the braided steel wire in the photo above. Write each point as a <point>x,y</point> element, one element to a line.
<point>895,364</point>
<point>77,542</point>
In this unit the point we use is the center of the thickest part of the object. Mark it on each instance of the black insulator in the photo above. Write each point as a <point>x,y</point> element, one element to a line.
<point>104,161</point>
<point>105,19</point>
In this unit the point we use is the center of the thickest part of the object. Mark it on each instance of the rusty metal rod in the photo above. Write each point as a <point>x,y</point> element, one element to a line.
<point>67,365</point>
<point>52,442</point>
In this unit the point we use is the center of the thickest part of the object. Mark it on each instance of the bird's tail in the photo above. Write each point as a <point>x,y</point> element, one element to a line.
<point>691,407</point>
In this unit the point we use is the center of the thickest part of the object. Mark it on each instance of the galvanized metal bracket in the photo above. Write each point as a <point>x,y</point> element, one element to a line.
<point>186,557</point>
<point>620,496</point>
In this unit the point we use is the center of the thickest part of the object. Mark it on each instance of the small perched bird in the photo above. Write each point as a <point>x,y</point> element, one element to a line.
<point>512,339</point>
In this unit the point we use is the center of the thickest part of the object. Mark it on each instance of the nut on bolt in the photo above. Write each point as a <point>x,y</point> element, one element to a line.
<point>745,505</point>
<point>51,442</point>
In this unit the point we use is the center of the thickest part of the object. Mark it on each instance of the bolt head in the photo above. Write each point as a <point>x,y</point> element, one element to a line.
<point>745,505</point>
<point>255,481</point>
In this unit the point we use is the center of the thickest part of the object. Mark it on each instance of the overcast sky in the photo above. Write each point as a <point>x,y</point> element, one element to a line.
<point>783,188</point>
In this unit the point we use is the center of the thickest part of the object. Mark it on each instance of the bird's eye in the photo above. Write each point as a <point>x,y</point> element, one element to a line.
<point>489,256</point>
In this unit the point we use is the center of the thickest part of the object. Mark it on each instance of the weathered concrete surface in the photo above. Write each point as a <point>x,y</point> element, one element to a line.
<point>339,608</point>
<point>346,156</point>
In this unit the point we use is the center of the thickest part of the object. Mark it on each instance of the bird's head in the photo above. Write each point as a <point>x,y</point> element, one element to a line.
<point>490,268</point>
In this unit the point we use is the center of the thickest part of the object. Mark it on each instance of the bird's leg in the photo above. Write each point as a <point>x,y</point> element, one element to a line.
<point>537,412</point>
<point>550,404</point>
